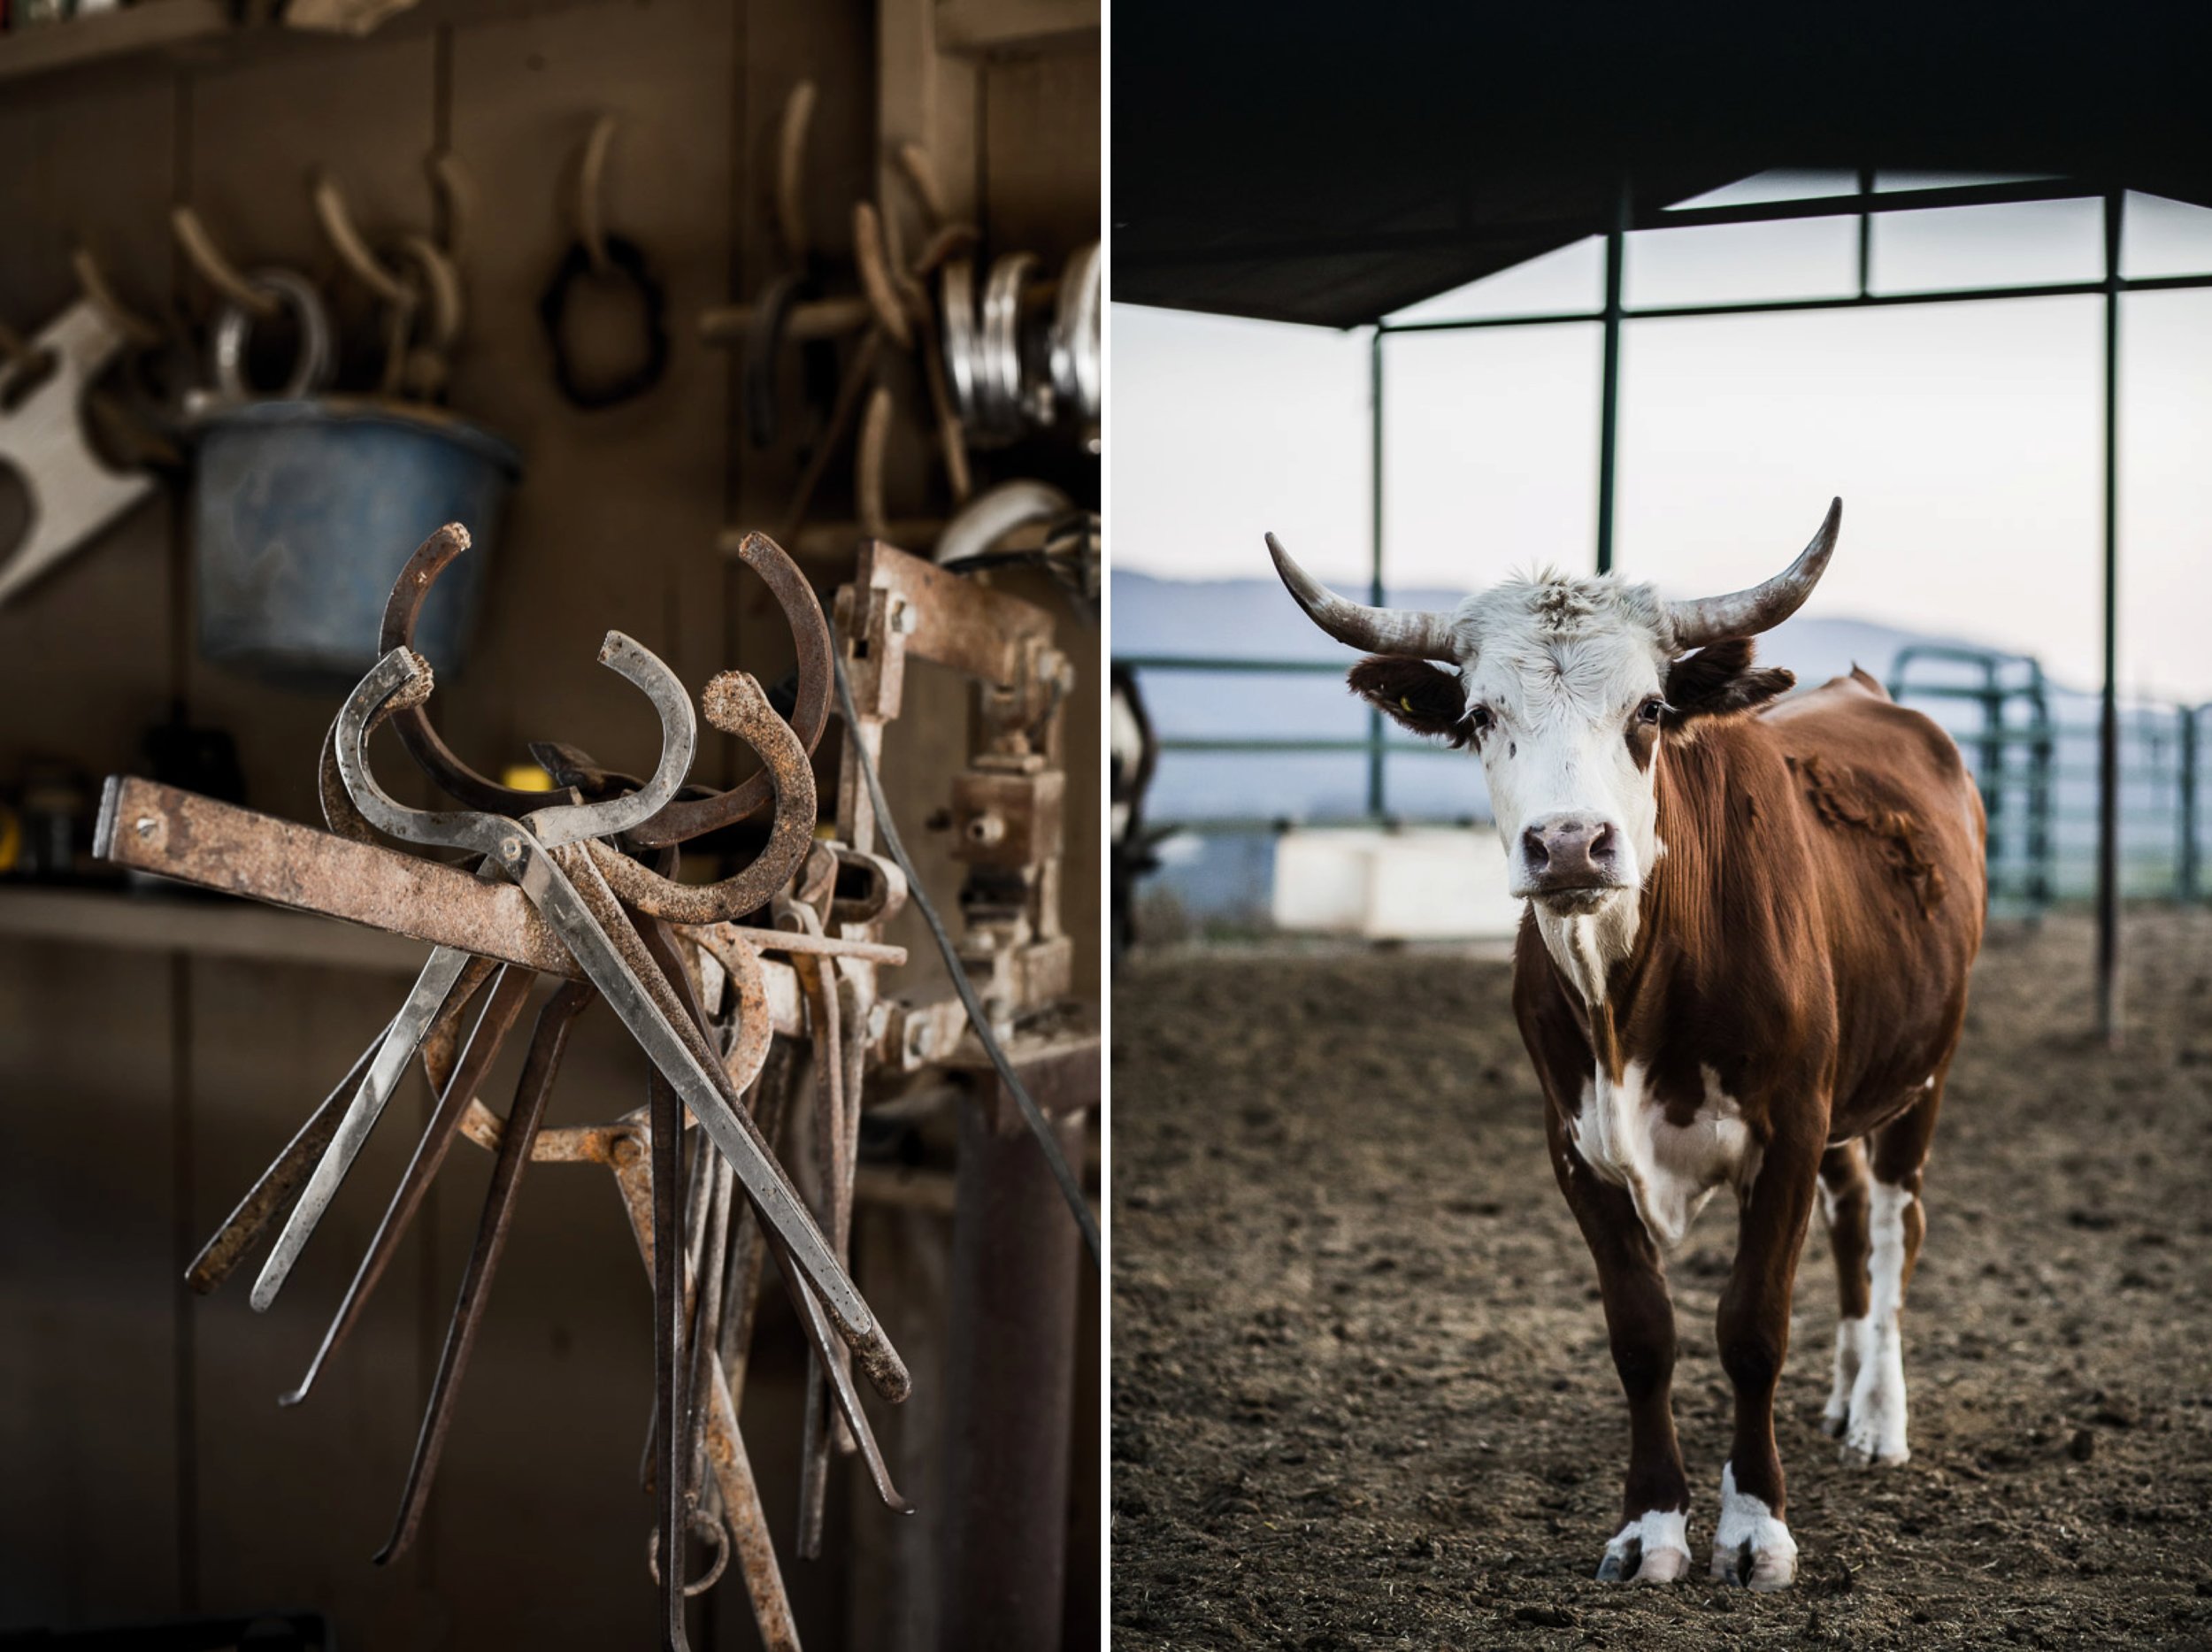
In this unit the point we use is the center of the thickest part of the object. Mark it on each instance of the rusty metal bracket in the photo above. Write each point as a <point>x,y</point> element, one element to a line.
<point>175,834</point>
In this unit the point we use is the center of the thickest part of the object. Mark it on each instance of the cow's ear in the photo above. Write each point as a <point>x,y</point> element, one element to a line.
<point>1425,699</point>
<point>1720,679</point>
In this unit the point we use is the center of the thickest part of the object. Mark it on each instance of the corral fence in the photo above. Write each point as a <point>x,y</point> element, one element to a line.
<point>2033,750</point>
<point>2031,746</point>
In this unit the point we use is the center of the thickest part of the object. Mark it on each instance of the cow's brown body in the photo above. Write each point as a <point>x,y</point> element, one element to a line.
<point>1805,938</point>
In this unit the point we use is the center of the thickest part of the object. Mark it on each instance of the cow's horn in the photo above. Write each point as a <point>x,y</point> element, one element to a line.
<point>1414,632</point>
<point>1763,607</point>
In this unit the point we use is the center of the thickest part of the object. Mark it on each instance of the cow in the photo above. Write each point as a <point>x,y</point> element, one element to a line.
<point>1743,964</point>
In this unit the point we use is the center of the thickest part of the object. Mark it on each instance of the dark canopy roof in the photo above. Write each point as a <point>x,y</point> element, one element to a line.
<point>1332,164</point>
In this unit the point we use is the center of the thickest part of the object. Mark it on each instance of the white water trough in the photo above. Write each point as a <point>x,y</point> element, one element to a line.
<point>1419,883</point>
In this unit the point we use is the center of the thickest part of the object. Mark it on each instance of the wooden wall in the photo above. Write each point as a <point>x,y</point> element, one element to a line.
<point>145,1469</point>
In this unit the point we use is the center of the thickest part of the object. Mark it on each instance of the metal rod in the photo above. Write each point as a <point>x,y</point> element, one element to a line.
<point>1609,398</point>
<point>1004,1527</point>
<point>1781,306</point>
<point>1992,764</point>
<point>1376,766</point>
<point>2108,733</point>
<point>1545,235</point>
<point>1291,743</point>
<point>1867,209</point>
<point>1176,661</point>
<point>665,1136</point>
<point>2185,870</point>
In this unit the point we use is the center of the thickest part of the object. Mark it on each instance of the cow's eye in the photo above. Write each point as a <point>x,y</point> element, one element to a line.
<point>1478,718</point>
<point>1652,710</point>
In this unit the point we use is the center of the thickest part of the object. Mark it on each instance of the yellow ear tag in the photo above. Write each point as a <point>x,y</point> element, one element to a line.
<point>1404,704</point>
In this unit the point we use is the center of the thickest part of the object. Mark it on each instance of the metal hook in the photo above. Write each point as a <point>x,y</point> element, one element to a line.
<point>455,186</point>
<point>875,435</point>
<point>876,280</point>
<point>921,175</point>
<point>92,279</point>
<point>336,218</point>
<point>591,173</point>
<point>216,270</point>
<point>798,119</point>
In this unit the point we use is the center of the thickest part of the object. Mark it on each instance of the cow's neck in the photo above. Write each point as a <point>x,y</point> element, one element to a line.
<point>1612,959</point>
<point>1586,947</point>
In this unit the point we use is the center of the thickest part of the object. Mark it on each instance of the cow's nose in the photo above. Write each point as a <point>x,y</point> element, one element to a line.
<point>1570,852</point>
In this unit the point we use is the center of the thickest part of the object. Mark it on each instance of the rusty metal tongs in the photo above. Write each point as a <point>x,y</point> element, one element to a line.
<point>449,970</point>
<point>561,883</point>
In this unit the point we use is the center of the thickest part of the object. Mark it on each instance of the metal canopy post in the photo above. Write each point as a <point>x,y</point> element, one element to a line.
<point>2185,863</point>
<point>1375,553</point>
<point>1609,401</point>
<point>1866,232</point>
<point>2109,731</point>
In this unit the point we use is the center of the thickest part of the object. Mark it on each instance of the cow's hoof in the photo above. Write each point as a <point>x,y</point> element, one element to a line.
<point>1867,1451</point>
<point>1652,1548</point>
<point>1875,1438</point>
<point>1751,1548</point>
<point>1762,1570</point>
<point>1835,1421</point>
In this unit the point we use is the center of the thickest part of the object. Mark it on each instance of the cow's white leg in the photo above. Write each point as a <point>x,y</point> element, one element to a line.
<point>1843,1205</point>
<point>1655,1548</point>
<point>1750,1546</point>
<point>1875,1433</point>
<point>1896,1223</point>
<point>1835,1417</point>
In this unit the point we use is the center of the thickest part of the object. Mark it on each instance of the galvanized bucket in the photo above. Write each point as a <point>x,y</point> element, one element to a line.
<point>304,511</point>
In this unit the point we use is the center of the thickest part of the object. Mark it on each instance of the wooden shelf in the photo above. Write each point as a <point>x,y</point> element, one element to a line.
<point>210,927</point>
<point>153,25</point>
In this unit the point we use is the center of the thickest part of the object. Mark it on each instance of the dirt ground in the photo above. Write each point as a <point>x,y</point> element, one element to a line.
<point>1361,1395</point>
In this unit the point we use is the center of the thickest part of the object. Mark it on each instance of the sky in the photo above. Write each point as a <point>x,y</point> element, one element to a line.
<point>1965,439</point>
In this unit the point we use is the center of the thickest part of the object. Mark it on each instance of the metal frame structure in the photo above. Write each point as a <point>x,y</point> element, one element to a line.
<point>1614,314</point>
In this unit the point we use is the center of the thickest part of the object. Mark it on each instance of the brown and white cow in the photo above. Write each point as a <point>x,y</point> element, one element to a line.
<point>1743,966</point>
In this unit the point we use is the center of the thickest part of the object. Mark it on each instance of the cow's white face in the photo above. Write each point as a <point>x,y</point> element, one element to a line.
<point>1562,686</point>
<point>1563,681</point>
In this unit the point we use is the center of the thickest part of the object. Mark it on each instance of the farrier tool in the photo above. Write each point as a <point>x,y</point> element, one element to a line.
<point>552,827</point>
<point>566,890</point>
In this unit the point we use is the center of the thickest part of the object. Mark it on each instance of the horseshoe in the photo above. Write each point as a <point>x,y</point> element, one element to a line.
<point>734,704</point>
<point>681,819</point>
<point>810,638</point>
<point>756,1026</point>
<point>764,349</point>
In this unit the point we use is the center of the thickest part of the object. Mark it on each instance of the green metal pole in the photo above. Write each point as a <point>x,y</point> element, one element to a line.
<point>1866,232</point>
<point>1376,797</point>
<point>2186,872</point>
<point>2109,731</point>
<point>1610,397</point>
